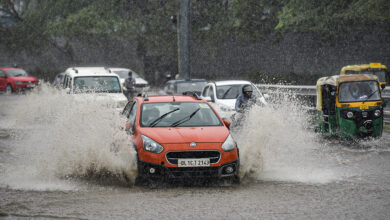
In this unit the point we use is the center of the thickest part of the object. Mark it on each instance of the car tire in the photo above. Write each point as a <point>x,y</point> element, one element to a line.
<point>8,90</point>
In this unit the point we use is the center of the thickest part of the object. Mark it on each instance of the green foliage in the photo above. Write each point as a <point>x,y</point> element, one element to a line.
<point>331,17</point>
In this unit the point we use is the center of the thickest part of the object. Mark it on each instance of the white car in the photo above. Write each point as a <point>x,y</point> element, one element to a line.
<point>223,94</point>
<point>141,85</point>
<point>99,81</point>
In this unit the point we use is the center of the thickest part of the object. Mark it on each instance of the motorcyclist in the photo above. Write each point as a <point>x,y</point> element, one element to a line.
<point>246,99</point>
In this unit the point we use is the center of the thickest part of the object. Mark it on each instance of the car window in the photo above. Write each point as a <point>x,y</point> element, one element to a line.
<point>97,84</point>
<point>2,73</point>
<point>233,91</point>
<point>16,73</point>
<point>127,108</point>
<point>133,114</point>
<point>178,114</point>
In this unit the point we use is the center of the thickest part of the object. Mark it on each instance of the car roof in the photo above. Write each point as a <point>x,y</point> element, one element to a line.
<point>170,98</point>
<point>10,68</point>
<point>89,71</point>
<point>231,82</point>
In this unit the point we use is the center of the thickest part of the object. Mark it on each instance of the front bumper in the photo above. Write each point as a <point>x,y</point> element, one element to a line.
<point>160,171</point>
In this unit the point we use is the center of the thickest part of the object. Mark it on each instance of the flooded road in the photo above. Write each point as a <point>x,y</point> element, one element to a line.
<point>62,158</point>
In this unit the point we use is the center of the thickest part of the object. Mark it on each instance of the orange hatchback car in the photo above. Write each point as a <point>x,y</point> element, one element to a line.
<point>180,137</point>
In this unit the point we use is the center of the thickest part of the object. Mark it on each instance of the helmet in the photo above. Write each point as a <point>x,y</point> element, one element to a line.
<point>247,90</point>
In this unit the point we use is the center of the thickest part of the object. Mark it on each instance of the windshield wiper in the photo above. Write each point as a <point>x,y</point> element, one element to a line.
<point>155,122</point>
<point>369,96</point>
<point>187,118</point>
<point>224,95</point>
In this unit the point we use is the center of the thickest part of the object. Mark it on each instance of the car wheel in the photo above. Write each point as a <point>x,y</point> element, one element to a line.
<point>8,90</point>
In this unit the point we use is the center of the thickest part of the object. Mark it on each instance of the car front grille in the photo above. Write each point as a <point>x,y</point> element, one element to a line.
<point>187,172</point>
<point>141,85</point>
<point>173,156</point>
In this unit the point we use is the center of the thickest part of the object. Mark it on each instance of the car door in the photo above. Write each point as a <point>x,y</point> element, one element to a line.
<point>3,81</point>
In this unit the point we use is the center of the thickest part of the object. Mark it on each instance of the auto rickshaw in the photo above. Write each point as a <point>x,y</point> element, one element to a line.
<point>377,69</point>
<point>349,106</point>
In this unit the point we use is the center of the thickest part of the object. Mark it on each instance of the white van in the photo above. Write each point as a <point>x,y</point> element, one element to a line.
<point>95,80</point>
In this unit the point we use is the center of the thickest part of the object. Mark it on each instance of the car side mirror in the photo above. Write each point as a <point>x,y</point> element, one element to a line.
<point>383,86</point>
<point>384,104</point>
<point>227,123</point>
<point>128,126</point>
<point>67,90</point>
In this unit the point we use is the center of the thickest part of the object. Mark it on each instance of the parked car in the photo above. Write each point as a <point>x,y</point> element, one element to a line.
<point>16,80</point>
<point>177,87</point>
<point>141,85</point>
<point>180,137</point>
<point>223,94</point>
<point>96,80</point>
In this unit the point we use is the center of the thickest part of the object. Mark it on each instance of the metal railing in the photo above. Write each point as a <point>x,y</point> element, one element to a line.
<point>311,91</point>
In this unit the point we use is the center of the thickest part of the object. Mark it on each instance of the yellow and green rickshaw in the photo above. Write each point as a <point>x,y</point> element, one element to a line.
<point>349,106</point>
<point>377,69</point>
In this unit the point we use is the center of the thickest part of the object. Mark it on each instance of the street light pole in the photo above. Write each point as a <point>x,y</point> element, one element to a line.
<point>184,40</point>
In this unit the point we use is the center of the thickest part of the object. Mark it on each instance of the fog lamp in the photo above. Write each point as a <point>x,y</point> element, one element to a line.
<point>152,170</point>
<point>350,114</point>
<point>229,169</point>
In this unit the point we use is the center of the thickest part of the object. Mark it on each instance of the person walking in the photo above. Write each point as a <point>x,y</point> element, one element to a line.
<point>130,86</point>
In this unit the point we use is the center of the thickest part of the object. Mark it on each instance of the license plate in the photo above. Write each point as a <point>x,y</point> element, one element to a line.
<point>364,107</point>
<point>30,86</point>
<point>202,162</point>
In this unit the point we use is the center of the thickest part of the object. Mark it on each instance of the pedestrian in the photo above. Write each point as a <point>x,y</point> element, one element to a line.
<point>130,86</point>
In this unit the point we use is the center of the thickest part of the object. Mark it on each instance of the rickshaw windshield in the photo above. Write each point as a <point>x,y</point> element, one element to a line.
<point>381,74</point>
<point>360,91</point>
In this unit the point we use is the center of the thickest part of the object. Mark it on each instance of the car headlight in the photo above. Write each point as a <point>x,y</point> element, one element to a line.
<point>350,114</point>
<point>18,82</point>
<point>377,113</point>
<point>151,145</point>
<point>229,144</point>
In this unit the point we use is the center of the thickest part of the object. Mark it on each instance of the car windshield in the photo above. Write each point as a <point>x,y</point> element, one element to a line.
<point>16,73</point>
<point>125,73</point>
<point>233,91</point>
<point>190,86</point>
<point>108,84</point>
<point>381,74</point>
<point>360,91</point>
<point>180,114</point>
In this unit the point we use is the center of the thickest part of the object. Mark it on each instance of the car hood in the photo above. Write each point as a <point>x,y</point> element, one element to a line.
<point>179,135</point>
<point>24,78</point>
<point>115,97</point>
<point>229,104</point>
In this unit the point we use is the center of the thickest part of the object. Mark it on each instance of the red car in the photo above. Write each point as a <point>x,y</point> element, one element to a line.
<point>16,80</point>
<point>180,137</point>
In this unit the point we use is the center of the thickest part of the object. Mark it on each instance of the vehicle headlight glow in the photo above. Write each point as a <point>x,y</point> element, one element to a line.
<point>229,144</point>
<point>377,113</point>
<point>350,114</point>
<point>18,82</point>
<point>151,145</point>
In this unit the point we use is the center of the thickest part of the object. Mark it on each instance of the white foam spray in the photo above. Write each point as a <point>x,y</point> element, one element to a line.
<point>60,136</point>
<point>276,144</point>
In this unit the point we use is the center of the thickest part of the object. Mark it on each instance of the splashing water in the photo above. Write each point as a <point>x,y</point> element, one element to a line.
<point>60,136</point>
<point>276,145</point>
